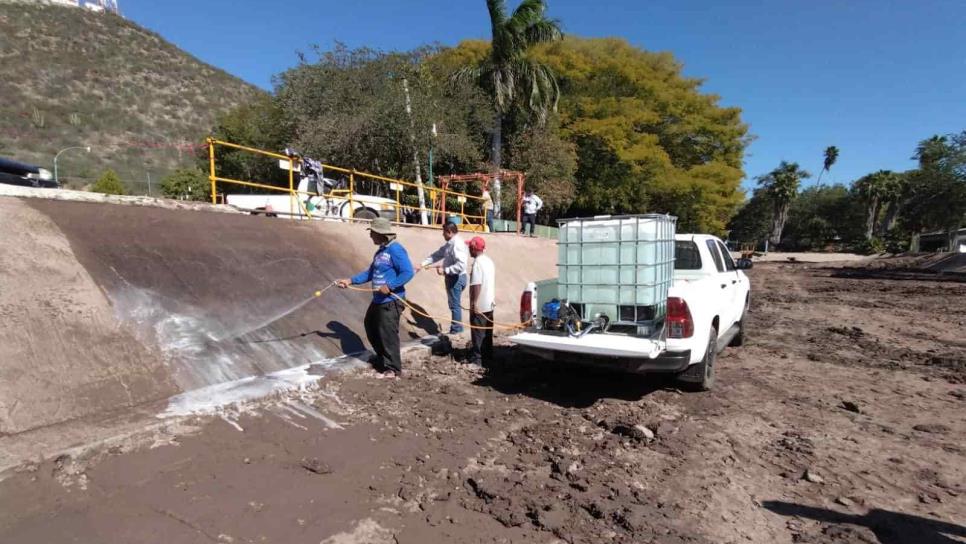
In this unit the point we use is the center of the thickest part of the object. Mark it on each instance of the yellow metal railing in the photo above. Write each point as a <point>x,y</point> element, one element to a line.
<point>434,195</point>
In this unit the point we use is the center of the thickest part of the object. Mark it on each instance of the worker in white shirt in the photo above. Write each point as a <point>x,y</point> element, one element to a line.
<point>531,205</point>
<point>488,209</point>
<point>482,298</point>
<point>450,260</point>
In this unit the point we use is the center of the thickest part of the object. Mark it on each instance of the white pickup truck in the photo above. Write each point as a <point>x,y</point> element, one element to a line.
<point>706,308</point>
<point>314,202</point>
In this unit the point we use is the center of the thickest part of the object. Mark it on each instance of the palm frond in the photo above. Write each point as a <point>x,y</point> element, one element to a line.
<point>497,9</point>
<point>527,13</point>
<point>472,74</point>
<point>514,29</point>
<point>543,31</point>
<point>539,85</point>
<point>831,155</point>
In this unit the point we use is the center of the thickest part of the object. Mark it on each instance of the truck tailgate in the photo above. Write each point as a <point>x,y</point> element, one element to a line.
<point>605,345</point>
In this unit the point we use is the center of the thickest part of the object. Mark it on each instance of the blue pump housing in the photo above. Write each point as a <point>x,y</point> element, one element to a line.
<point>551,309</point>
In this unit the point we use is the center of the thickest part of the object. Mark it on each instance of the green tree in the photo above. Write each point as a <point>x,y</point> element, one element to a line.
<point>262,124</point>
<point>932,151</point>
<point>893,197</point>
<point>108,184</point>
<point>781,184</point>
<point>187,184</point>
<point>550,163</point>
<point>824,216</point>
<point>874,189</point>
<point>647,139</point>
<point>508,76</point>
<point>831,155</point>
<point>936,192</point>
<point>348,109</point>
<point>605,183</point>
<point>752,223</point>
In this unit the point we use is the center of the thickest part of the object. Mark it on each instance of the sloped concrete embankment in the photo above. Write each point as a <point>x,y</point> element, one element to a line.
<point>110,306</point>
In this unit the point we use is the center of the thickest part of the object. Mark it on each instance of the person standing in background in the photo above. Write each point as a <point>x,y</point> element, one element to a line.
<point>488,209</point>
<point>531,205</point>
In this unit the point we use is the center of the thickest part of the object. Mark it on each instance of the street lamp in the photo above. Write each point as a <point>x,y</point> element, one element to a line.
<point>87,147</point>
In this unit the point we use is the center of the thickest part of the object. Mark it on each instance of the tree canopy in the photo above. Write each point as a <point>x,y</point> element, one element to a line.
<point>881,211</point>
<point>631,134</point>
<point>646,138</point>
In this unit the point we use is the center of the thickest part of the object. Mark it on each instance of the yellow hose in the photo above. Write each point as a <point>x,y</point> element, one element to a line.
<point>495,324</point>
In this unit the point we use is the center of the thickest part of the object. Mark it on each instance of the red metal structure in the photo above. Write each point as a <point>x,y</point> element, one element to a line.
<point>485,179</point>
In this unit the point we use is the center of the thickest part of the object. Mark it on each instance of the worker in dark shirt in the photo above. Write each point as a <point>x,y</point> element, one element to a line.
<point>389,272</point>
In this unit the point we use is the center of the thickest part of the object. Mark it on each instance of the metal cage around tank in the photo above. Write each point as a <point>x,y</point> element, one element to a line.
<point>620,266</point>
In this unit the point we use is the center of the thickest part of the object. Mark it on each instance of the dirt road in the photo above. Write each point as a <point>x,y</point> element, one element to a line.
<point>842,420</point>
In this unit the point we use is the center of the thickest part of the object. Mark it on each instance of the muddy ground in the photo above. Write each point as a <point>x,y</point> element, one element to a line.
<point>841,420</point>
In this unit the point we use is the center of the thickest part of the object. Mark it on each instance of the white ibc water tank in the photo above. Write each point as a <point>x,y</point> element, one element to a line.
<point>617,264</point>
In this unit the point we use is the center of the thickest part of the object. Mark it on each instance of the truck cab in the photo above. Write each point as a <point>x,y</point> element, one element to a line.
<point>707,303</point>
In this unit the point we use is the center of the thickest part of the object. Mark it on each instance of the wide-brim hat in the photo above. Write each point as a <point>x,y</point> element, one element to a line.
<point>381,225</point>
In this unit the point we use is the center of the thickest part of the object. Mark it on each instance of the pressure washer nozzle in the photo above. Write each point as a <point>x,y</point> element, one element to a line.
<point>318,293</point>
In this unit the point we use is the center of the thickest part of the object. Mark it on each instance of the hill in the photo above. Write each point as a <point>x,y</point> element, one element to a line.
<point>70,77</point>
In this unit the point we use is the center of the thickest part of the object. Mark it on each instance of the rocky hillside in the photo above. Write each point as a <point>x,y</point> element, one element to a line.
<point>69,77</point>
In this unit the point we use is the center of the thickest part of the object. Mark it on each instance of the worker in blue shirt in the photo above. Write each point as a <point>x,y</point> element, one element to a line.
<point>389,272</point>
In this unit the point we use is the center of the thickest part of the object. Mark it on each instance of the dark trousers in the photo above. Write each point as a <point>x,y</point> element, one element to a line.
<point>481,347</point>
<point>382,329</point>
<point>529,219</point>
<point>489,220</point>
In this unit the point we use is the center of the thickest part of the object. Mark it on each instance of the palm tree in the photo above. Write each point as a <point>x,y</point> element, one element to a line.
<point>831,155</point>
<point>893,198</point>
<point>781,184</point>
<point>874,188</point>
<point>508,76</point>
<point>931,151</point>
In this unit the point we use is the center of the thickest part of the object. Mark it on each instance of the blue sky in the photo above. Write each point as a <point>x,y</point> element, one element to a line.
<point>872,77</point>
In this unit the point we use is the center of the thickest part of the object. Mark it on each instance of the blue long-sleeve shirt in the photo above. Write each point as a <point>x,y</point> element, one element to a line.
<point>390,266</point>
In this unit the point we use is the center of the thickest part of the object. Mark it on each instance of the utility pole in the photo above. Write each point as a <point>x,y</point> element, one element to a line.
<point>149,183</point>
<point>423,218</point>
<point>497,150</point>
<point>432,144</point>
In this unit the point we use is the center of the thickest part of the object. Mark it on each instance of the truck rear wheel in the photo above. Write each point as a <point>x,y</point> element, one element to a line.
<point>700,376</point>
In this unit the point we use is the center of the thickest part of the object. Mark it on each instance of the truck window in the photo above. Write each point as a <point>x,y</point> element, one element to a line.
<point>713,248</point>
<point>726,255</point>
<point>686,256</point>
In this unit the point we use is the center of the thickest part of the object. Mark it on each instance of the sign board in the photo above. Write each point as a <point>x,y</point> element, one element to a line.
<point>284,165</point>
<point>461,199</point>
<point>395,187</point>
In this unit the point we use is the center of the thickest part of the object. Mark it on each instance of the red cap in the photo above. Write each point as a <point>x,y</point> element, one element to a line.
<point>477,243</point>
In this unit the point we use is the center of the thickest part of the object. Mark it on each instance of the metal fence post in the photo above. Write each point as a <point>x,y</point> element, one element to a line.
<point>352,190</point>
<point>211,172</point>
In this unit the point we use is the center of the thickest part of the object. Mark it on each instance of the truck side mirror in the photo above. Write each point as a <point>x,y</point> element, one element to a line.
<point>744,264</point>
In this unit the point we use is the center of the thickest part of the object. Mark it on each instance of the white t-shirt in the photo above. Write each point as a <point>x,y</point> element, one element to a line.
<point>484,275</point>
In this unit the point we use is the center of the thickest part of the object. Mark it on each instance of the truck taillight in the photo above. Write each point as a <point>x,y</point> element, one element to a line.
<point>526,306</point>
<point>679,321</point>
